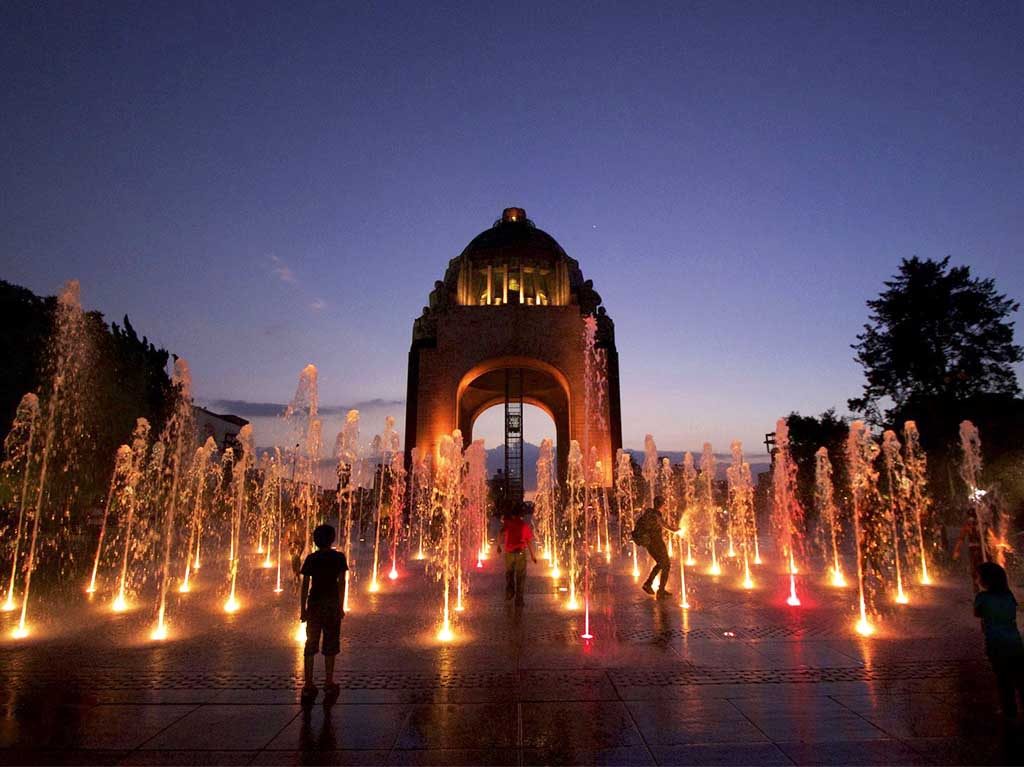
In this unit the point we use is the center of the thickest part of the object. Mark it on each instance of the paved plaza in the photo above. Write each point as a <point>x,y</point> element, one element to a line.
<point>740,678</point>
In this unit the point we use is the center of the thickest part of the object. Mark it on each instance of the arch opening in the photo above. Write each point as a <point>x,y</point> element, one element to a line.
<point>538,425</point>
<point>514,384</point>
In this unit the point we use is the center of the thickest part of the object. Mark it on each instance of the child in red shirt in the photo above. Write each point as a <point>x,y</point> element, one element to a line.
<point>516,537</point>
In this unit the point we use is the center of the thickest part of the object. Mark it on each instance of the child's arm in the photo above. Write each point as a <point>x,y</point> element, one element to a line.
<point>304,595</point>
<point>529,545</point>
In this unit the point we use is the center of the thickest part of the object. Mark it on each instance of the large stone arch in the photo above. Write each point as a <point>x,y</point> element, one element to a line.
<point>544,386</point>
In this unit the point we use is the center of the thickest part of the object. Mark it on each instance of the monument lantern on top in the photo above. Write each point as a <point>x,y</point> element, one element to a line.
<point>506,326</point>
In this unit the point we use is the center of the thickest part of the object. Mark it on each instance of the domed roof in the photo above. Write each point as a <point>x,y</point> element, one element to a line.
<point>513,236</point>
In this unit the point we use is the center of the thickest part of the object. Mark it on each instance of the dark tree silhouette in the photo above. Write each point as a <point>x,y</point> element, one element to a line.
<point>806,435</point>
<point>126,378</point>
<point>935,334</point>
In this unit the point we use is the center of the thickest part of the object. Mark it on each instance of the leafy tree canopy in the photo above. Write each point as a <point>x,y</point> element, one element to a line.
<point>806,435</point>
<point>935,333</point>
<point>126,379</point>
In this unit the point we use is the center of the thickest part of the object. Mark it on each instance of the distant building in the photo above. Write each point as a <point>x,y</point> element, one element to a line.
<point>223,428</point>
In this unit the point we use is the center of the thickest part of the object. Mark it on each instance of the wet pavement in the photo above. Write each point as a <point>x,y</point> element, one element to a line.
<point>740,678</point>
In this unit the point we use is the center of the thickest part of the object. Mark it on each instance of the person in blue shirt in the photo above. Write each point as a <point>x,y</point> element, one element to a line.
<point>996,607</point>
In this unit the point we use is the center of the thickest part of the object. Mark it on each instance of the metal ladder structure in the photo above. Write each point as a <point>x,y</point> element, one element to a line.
<point>514,434</point>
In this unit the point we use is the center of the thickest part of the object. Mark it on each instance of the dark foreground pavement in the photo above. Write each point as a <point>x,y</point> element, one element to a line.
<point>740,678</point>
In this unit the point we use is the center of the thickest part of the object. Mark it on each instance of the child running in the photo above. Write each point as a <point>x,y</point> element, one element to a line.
<point>323,577</point>
<point>997,608</point>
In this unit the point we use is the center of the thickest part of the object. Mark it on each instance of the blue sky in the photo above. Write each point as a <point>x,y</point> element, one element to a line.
<point>263,185</point>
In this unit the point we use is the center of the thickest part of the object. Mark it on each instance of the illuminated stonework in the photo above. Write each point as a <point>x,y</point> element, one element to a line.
<point>511,306</point>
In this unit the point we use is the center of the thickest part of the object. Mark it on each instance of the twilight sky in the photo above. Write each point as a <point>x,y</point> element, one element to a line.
<point>259,186</point>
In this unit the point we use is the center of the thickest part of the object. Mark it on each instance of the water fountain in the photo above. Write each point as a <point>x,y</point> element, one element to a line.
<point>787,514</point>
<point>67,358</point>
<point>892,463</point>
<point>545,503</point>
<point>385,445</point>
<point>918,501</point>
<point>447,503</point>
<point>179,433</point>
<point>18,451</point>
<point>350,470</point>
<point>667,481</point>
<point>420,500</point>
<point>741,509</point>
<point>970,473</point>
<point>474,488</point>
<point>396,505</point>
<point>690,507</point>
<point>861,452</point>
<point>706,486</point>
<point>649,470</point>
<point>242,461</point>
<point>144,464</point>
<point>828,514</point>
<point>624,500</point>
<point>574,502</point>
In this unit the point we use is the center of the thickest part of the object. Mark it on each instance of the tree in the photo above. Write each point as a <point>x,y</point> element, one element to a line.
<point>806,435</point>
<point>126,378</point>
<point>935,334</point>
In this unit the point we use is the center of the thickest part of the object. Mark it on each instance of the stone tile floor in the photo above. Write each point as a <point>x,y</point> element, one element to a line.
<point>740,678</point>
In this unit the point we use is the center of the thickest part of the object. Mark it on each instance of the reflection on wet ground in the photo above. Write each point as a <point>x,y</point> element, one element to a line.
<point>739,678</point>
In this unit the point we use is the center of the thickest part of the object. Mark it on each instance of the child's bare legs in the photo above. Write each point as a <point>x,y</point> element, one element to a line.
<point>328,669</point>
<point>307,667</point>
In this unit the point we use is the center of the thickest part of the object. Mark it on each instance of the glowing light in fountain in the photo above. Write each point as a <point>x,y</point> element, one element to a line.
<point>420,502</point>
<point>385,445</point>
<point>673,517</point>
<point>474,489</point>
<point>741,509</point>
<point>545,503</point>
<point>18,449</point>
<point>787,513</point>
<point>575,486</point>
<point>67,358</point>
<point>179,432</point>
<point>895,489</point>
<point>919,502</point>
<point>396,503</point>
<point>624,498</point>
<point>446,500</point>
<point>828,513</point>
<point>242,463</point>
<point>594,397</point>
<point>204,474</point>
<point>690,507</point>
<point>861,451</point>
<point>352,475</point>
<point>684,601</point>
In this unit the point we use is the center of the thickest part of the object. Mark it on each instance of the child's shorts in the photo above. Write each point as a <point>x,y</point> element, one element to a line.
<point>323,619</point>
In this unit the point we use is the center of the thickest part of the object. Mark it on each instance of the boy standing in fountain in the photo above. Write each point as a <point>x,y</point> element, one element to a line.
<point>647,533</point>
<point>516,537</point>
<point>323,577</point>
